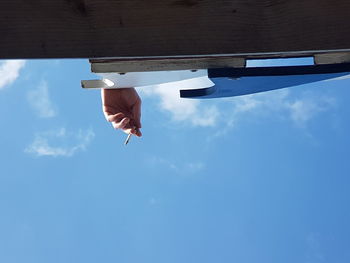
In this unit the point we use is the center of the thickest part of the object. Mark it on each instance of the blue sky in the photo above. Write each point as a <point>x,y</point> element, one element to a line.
<point>260,178</point>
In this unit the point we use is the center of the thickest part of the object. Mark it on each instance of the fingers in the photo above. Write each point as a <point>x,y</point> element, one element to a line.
<point>133,131</point>
<point>115,117</point>
<point>136,110</point>
<point>122,107</point>
<point>126,124</point>
<point>136,132</point>
<point>121,124</point>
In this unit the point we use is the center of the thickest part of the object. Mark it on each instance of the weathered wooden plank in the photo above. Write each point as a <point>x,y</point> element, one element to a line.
<point>332,58</point>
<point>125,28</point>
<point>166,64</point>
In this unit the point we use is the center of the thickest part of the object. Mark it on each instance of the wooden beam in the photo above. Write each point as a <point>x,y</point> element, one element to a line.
<point>165,64</point>
<point>139,28</point>
<point>332,58</point>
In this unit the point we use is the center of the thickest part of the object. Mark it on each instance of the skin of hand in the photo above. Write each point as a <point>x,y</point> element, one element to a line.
<point>122,107</point>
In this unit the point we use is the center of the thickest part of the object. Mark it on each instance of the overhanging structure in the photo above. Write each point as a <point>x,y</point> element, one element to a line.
<point>171,28</point>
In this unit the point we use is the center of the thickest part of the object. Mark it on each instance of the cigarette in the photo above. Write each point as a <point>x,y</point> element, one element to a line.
<point>127,139</point>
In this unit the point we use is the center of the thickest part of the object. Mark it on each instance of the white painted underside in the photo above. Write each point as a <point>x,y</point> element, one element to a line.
<point>185,79</point>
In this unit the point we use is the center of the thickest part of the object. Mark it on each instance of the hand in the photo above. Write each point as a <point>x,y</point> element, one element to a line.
<point>122,107</point>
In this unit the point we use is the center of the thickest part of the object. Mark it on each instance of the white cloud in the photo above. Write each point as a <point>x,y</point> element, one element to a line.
<point>249,107</point>
<point>9,71</point>
<point>300,110</point>
<point>39,99</point>
<point>184,110</point>
<point>210,113</point>
<point>281,104</point>
<point>228,112</point>
<point>60,143</point>
<point>305,109</point>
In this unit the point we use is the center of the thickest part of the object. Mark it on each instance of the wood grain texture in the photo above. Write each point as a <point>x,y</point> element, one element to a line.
<point>129,28</point>
<point>165,64</point>
<point>332,58</point>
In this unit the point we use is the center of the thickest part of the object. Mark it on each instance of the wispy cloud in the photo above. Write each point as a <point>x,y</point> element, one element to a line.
<point>305,109</point>
<point>154,161</point>
<point>40,101</point>
<point>194,167</point>
<point>60,143</point>
<point>184,110</point>
<point>181,168</point>
<point>279,104</point>
<point>225,114</point>
<point>9,71</point>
